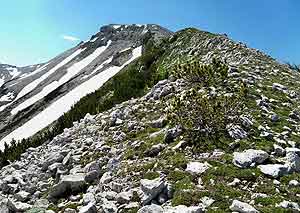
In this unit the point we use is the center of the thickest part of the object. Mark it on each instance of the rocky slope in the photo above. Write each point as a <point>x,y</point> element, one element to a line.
<point>133,158</point>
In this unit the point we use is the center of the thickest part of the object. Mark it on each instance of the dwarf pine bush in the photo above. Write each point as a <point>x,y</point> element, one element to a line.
<point>206,75</point>
<point>205,110</point>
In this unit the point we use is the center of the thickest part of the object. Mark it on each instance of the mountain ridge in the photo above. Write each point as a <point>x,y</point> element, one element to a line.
<point>195,123</point>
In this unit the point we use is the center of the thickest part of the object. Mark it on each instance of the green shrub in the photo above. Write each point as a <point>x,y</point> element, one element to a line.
<point>195,71</point>
<point>205,114</point>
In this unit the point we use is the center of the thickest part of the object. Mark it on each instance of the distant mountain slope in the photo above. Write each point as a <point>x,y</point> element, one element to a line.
<point>27,97</point>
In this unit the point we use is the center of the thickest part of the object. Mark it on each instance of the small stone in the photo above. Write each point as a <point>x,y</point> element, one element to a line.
<point>294,183</point>
<point>234,182</point>
<point>69,210</point>
<point>180,145</point>
<point>206,202</point>
<point>236,132</point>
<point>116,187</point>
<point>197,167</point>
<point>278,150</point>
<point>106,178</point>
<point>274,118</point>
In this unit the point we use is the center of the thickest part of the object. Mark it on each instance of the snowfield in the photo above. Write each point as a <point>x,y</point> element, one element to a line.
<point>94,39</point>
<point>36,82</point>
<point>8,97</point>
<point>71,72</point>
<point>39,69</point>
<point>13,72</point>
<point>62,105</point>
<point>1,81</point>
<point>99,67</point>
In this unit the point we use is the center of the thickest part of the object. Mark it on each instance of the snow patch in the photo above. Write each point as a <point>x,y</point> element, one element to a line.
<point>1,81</point>
<point>8,97</point>
<point>99,67</point>
<point>94,39</point>
<point>71,72</point>
<point>39,69</point>
<point>116,26</point>
<point>13,72</point>
<point>62,105</point>
<point>3,107</point>
<point>36,82</point>
<point>125,49</point>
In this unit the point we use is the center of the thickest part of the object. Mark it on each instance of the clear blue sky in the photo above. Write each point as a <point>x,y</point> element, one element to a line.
<point>32,30</point>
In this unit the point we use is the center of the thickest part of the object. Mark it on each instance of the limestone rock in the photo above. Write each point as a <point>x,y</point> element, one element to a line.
<point>197,167</point>
<point>151,189</point>
<point>242,207</point>
<point>249,157</point>
<point>153,208</point>
<point>274,170</point>
<point>68,183</point>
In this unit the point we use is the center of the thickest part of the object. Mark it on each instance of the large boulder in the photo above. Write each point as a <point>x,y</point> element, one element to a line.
<point>151,189</point>
<point>183,209</point>
<point>274,170</point>
<point>238,206</point>
<point>93,171</point>
<point>90,208</point>
<point>124,197</point>
<point>17,206</point>
<point>293,161</point>
<point>22,196</point>
<point>108,206</point>
<point>3,206</point>
<point>249,158</point>
<point>88,198</point>
<point>68,184</point>
<point>153,208</point>
<point>53,158</point>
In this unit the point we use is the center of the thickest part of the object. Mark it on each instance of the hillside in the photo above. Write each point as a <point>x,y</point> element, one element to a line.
<point>197,123</point>
<point>51,89</point>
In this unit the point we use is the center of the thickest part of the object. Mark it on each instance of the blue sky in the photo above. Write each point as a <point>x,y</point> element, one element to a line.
<point>33,31</point>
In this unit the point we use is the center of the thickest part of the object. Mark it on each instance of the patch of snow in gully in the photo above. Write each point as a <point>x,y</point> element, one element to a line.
<point>71,72</point>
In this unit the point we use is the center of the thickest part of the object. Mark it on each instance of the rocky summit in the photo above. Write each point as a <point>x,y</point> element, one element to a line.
<point>194,123</point>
